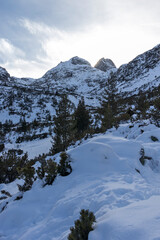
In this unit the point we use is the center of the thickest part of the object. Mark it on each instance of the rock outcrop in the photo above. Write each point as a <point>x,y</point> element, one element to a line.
<point>105,64</point>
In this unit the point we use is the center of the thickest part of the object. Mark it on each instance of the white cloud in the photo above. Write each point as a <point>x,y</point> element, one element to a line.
<point>119,42</point>
<point>36,28</point>
<point>15,62</point>
<point>8,51</point>
<point>24,68</point>
<point>125,29</point>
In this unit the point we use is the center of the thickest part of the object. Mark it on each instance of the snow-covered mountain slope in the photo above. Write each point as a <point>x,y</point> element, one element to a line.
<point>104,180</point>
<point>36,99</point>
<point>142,73</point>
<point>77,78</point>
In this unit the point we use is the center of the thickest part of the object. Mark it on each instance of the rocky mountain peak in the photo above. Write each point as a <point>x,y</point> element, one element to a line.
<point>4,75</point>
<point>79,61</point>
<point>105,64</point>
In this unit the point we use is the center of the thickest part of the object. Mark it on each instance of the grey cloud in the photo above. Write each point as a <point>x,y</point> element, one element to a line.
<point>71,16</point>
<point>68,15</point>
<point>64,14</point>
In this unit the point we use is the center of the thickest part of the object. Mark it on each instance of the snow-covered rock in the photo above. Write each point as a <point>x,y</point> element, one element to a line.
<point>142,73</point>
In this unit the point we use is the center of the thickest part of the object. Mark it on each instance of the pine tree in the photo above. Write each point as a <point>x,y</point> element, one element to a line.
<point>109,96</point>
<point>108,118</point>
<point>82,117</point>
<point>50,171</point>
<point>41,170</point>
<point>109,104</point>
<point>23,124</point>
<point>10,98</point>
<point>64,167</point>
<point>156,112</point>
<point>62,126</point>
<point>47,171</point>
<point>142,104</point>
<point>82,226</point>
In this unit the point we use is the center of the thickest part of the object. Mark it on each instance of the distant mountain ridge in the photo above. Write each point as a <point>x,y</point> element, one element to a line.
<point>77,78</point>
<point>145,65</point>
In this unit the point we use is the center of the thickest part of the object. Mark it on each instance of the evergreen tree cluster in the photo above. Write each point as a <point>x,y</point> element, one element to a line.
<point>69,124</point>
<point>49,169</point>
<point>72,124</point>
<point>117,107</point>
<point>13,166</point>
<point>10,162</point>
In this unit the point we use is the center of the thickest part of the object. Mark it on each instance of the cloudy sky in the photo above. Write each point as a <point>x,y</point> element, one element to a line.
<point>35,35</point>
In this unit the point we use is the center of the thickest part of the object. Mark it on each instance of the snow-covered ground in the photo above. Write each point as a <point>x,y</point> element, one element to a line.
<point>104,180</point>
<point>34,148</point>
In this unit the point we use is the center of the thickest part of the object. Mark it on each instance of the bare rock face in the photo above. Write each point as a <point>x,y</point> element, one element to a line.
<point>4,75</point>
<point>79,61</point>
<point>105,64</point>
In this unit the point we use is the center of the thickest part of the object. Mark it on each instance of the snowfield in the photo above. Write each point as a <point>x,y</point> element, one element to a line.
<point>104,180</point>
